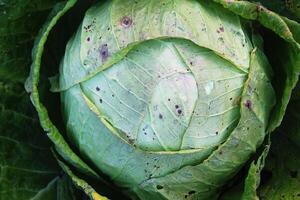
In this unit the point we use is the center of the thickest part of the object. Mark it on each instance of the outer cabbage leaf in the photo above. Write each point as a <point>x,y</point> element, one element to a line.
<point>93,195</point>
<point>282,165</point>
<point>60,188</point>
<point>31,86</point>
<point>26,162</point>
<point>282,61</point>
<point>289,8</point>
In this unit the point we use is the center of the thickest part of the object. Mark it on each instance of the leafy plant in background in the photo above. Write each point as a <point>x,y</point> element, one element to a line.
<point>150,99</point>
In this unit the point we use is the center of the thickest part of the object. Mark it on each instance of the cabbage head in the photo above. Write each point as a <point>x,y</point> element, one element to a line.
<point>166,99</point>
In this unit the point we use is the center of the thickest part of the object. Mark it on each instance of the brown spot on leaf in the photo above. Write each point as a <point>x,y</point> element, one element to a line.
<point>221,29</point>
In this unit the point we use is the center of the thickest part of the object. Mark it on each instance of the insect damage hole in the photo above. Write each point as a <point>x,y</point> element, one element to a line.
<point>159,187</point>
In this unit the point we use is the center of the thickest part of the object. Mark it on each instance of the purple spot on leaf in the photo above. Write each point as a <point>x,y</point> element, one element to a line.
<point>248,104</point>
<point>104,52</point>
<point>126,22</point>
